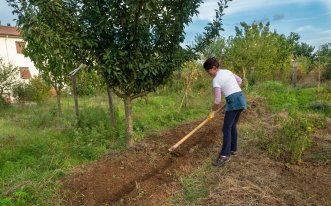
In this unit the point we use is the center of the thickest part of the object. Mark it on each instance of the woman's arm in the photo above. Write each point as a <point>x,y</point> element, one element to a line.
<point>218,96</point>
<point>238,79</point>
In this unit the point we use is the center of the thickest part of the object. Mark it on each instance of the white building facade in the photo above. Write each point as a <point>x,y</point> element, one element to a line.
<point>11,51</point>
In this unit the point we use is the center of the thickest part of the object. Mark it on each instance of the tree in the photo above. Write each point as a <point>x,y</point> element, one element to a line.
<point>89,83</point>
<point>136,44</point>
<point>303,49</point>
<point>215,48</point>
<point>8,77</point>
<point>46,27</point>
<point>212,30</point>
<point>258,53</point>
<point>323,57</point>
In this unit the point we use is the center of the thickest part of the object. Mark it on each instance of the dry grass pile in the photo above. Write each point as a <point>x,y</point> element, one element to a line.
<point>253,178</point>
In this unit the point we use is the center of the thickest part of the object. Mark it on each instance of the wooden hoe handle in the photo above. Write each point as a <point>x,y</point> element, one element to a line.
<point>190,134</point>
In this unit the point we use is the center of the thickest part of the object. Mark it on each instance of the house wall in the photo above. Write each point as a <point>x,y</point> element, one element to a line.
<point>9,54</point>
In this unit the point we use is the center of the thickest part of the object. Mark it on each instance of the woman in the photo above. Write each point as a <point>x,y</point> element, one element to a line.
<point>228,84</point>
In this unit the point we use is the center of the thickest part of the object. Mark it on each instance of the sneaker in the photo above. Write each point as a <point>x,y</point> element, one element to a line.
<point>233,152</point>
<point>219,162</point>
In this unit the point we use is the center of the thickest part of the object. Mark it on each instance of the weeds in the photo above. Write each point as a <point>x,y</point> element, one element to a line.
<point>291,136</point>
<point>194,185</point>
<point>37,147</point>
<point>280,96</point>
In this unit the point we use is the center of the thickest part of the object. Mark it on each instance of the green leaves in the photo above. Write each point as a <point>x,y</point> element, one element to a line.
<point>136,43</point>
<point>8,74</point>
<point>212,29</point>
<point>260,52</point>
<point>46,27</point>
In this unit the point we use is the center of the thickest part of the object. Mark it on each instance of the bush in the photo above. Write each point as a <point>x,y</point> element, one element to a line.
<point>8,74</point>
<point>326,74</point>
<point>3,103</point>
<point>36,90</point>
<point>327,87</point>
<point>22,92</point>
<point>88,83</point>
<point>40,90</point>
<point>293,136</point>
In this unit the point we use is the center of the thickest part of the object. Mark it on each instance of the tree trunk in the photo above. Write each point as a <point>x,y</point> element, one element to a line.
<point>245,81</point>
<point>318,79</point>
<point>128,118</point>
<point>58,100</point>
<point>111,107</point>
<point>73,78</point>
<point>294,73</point>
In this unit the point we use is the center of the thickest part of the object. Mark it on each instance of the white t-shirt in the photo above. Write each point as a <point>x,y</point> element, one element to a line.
<point>226,80</point>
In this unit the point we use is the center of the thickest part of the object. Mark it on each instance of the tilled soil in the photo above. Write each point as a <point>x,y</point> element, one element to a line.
<point>145,174</point>
<point>148,173</point>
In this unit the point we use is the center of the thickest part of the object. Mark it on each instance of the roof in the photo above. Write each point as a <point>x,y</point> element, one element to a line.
<point>9,30</point>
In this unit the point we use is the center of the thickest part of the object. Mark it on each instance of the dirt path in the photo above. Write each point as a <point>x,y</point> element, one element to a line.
<point>144,175</point>
<point>148,174</point>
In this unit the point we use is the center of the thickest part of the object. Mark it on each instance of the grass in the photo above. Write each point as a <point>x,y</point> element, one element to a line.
<point>283,137</point>
<point>283,97</point>
<point>292,133</point>
<point>195,185</point>
<point>37,147</point>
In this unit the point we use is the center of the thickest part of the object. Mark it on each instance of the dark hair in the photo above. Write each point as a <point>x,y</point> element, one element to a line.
<point>210,62</point>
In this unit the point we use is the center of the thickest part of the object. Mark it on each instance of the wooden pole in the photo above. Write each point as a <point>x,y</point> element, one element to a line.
<point>73,75</point>
<point>74,91</point>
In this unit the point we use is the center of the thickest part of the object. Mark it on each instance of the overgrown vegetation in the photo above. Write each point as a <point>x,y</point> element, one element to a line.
<point>38,147</point>
<point>280,96</point>
<point>292,136</point>
<point>194,186</point>
<point>292,132</point>
<point>35,90</point>
<point>8,77</point>
<point>284,132</point>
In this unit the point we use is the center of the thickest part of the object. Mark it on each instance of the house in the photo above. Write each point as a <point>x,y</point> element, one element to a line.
<point>11,51</point>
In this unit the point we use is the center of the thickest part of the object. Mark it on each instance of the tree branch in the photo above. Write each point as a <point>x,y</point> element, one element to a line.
<point>139,95</point>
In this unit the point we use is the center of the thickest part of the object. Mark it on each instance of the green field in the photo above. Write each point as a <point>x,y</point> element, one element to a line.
<point>38,148</point>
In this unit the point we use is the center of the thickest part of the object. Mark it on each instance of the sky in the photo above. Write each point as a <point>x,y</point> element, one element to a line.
<point>311,19</point>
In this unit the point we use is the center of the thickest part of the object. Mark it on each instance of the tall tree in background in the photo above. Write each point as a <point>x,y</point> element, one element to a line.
<point>258,53</point>
<point>303,49</point>
<point>212,30</point>
<point>136,44</point>
<point>323,57</point>
<point>303,55</point>
<point>215,48</point>
<point>46,26</point>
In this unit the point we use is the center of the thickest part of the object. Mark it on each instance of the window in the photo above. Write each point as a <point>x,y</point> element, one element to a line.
<point>20,46</point>
<point>25,73</point>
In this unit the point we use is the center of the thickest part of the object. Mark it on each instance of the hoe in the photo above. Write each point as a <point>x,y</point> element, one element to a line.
<point>171,149</point>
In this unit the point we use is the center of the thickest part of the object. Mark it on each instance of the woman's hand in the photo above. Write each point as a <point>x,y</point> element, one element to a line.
<point>211,115</point>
